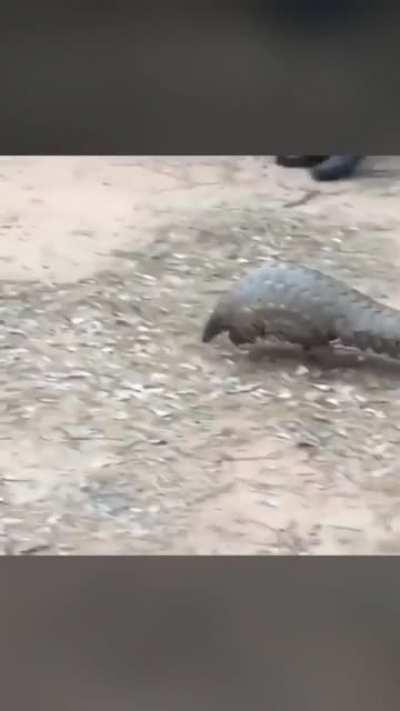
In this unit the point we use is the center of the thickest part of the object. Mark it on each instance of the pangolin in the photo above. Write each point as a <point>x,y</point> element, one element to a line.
<point>300,305</point>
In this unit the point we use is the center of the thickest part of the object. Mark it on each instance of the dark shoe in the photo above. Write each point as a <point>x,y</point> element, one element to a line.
<point>336,167</point>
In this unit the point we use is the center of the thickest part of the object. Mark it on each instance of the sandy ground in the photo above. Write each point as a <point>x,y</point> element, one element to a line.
<point>120,431</point>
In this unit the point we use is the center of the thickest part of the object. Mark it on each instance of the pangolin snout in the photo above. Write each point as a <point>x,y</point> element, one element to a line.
<point>213,327</point>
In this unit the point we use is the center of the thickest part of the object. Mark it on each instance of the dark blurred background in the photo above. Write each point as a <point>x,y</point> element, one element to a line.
<point>212,77</point>
<point>200,633</point>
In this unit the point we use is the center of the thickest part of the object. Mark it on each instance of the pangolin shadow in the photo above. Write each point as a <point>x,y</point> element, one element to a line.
<point>328,358</point>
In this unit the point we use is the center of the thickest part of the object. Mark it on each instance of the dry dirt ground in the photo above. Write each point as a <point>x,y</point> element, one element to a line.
<point>122,433</point>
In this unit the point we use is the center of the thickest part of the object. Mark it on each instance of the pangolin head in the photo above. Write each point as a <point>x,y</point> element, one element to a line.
<point>242,324</point>
<point>214,326</point>
<point>220,320</point>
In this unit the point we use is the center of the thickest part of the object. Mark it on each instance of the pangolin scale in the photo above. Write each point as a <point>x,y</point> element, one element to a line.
<point>300,305</point>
